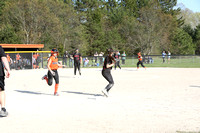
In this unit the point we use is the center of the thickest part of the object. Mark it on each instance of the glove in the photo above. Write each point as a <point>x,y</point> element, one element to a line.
<point>53,73</point>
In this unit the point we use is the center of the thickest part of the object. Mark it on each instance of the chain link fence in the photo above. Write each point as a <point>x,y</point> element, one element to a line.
<point>39,60</point>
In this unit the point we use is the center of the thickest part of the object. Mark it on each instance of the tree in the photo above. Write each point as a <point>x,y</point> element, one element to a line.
<point>197,39</point>
<point>182,43</point>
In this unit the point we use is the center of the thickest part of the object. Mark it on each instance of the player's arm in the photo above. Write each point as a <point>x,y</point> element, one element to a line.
<point>49,68</point>
<point>81,59</point>
<point>6,65</point>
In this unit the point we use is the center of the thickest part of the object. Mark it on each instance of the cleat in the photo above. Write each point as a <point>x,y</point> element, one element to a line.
<point>43,78</point>
<point>105,92</point>
<point>56,94</point>
<point>3,113</point>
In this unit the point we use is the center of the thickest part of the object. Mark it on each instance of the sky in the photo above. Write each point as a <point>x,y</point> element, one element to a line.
<point>193,5</point>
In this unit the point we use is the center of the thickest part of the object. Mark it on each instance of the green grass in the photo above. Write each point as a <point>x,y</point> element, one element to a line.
<point>183,62</point>
<point>175,62</point>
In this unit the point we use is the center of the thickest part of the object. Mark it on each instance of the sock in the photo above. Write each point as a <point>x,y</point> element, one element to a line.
<point>56,88</point>
<point>46,79</point>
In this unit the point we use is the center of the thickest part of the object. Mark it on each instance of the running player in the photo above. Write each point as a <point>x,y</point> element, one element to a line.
<point>108,64</point>
<point>3,61</point>
<point>52,70</point>
<point>140,61</point>
<point>77,61</point>
<point>117,58</point>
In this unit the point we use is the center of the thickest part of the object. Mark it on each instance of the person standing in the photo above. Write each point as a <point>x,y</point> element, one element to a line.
<point>169,56</point>
<point>53,70</point>
<point>77,61</point>
<point>106,71</point>
<point>123,58</point>
<point>3,62</point>
<point>140,61</point>
<point>117,58</point>
<point>163,56</point>
<point>18,63</point>
<point>65,57</point>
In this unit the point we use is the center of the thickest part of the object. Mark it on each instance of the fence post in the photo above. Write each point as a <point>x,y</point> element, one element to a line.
<point>42,60</point>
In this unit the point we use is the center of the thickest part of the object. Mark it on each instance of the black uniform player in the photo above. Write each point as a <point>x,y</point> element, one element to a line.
<point>3,61</point>
<point>77,61</point>
<point>108,64</point>
<point>117,58</point>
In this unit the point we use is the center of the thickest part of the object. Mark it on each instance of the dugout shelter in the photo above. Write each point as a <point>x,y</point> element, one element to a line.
<point>26,52</point>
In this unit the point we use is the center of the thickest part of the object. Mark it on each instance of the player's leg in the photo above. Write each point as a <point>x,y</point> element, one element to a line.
<point>49,78</point>
<point>75,67</point>
<point>142,65</point>
<point>119,64</point>
<point>3,112</point>
<point>79,68</point>
<point>138,64</point>
<point>56,78</point>
<point>107,75</point>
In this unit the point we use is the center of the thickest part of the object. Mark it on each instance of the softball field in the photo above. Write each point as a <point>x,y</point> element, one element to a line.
<point>156,100</point>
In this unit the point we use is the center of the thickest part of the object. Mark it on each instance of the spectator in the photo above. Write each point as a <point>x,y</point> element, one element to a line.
<point>169,56</point>
<point>101,57</point>
<point>95,57</point>
<point>65,57</point>
<point>86,61</point>
<point>163,56</point>
<point>117,58</point>
<point>123,57</point>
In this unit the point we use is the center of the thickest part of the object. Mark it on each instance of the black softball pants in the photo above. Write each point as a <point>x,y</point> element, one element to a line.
<point>77,66</point>
<point>107,75</point>
<point>50,77</point>
<point>140,62</point>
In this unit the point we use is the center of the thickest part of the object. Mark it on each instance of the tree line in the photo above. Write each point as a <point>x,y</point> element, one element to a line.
<point>149,26</point>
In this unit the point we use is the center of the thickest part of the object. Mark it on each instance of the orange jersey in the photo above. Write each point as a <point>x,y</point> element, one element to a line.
<point>17,57</point>
<point>54,63</point>
<point>139,57</point>
<point>35,56</point>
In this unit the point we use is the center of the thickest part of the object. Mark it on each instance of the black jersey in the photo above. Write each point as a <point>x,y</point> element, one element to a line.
<point>116,56</point>
<point>77,57</point>
<point>109,61</point>
<point>2,54</point>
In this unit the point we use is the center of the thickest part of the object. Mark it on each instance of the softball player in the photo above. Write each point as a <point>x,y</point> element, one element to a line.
<point>52,70</point>
<point>108,64</point>
<point>140,61</point>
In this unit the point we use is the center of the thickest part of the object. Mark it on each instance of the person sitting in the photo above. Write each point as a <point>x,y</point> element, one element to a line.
<point>86,61</point>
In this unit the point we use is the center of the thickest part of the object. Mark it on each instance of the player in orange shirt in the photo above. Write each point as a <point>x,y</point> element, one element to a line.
<point>52,71</point>
<point>140,61</point>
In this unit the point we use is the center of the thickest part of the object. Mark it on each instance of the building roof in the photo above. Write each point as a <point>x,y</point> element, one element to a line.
<point>22,45</point>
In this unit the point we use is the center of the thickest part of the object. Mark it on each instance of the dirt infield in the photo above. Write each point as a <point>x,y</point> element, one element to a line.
<point>156,100</point>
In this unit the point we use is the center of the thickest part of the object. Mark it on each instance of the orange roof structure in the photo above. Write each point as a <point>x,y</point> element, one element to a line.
<point>22,45</point>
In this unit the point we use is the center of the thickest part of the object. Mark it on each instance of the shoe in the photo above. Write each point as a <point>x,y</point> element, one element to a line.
<point>3,113</point>
<point>56,94</point>
<point>105,92</point>
<point>43,78</point>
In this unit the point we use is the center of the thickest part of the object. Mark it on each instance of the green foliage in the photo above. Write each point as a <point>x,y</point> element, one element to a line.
<point>182,43</point>
<point>8,35</point>
<point>95,25</point>
<point>197,39</point>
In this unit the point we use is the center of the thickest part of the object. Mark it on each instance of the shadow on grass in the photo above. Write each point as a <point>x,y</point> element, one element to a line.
<point>31,92</point>
<point>81,93</point>
<point>195,86</point>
